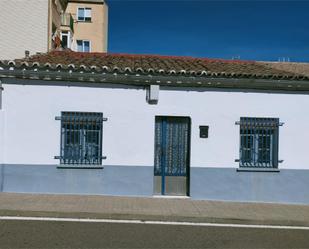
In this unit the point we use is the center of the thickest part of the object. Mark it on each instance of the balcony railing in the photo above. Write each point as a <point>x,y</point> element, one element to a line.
<point>67,20</point>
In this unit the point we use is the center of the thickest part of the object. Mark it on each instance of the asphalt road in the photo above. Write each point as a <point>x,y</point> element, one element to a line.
<point>55,234</point>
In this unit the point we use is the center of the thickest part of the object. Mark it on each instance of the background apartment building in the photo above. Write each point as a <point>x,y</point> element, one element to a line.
<point>90,25</point>
<point>32,25</point>
<point>39,26</point>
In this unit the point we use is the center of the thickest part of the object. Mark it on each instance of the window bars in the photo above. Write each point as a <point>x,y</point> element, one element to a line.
<point>259,142</point>
<point>81,138</point>
<point>171,146</point>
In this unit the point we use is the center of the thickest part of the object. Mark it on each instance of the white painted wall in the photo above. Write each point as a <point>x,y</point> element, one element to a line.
<point>24,25</point>
<point>1,136</point>
<point>32,135</point>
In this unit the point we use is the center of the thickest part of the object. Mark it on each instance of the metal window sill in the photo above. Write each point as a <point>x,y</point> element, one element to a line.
<point>79,166</point>
<point>253,169</point>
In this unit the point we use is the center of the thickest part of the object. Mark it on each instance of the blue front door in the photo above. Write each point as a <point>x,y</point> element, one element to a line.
<point>172,157</point>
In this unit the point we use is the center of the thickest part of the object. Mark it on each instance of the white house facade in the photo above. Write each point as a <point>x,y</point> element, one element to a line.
<point>148,125</point>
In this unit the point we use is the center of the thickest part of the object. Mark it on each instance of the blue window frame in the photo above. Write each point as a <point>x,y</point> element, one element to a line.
<point>81,138</point>
<point>259,142</point>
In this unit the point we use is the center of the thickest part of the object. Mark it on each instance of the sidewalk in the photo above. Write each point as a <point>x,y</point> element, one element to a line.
<point>159,209</point>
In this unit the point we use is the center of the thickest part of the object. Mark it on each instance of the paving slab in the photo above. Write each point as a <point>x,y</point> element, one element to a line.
<point>158,209</point>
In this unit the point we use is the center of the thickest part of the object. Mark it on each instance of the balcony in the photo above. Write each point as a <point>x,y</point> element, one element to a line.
<point>67,21</point>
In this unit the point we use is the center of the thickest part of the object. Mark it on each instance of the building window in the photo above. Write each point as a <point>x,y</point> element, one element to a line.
<point>83,46</point>
<point>84,14</point>
<point>65,39</point>
<point>81,138</point>
<point>259,142</point>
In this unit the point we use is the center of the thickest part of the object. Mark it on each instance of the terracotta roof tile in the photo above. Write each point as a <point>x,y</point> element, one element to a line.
<point>177,64</point>
<point>293,67</point>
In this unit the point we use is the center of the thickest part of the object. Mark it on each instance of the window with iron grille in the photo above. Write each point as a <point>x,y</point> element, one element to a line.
<point>81,138</point>
<point>259,142</point>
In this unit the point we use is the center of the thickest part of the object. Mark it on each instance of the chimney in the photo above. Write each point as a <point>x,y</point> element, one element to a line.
<point>27,54</point>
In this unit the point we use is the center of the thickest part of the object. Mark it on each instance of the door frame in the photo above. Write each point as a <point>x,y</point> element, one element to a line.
<point>189,151</point>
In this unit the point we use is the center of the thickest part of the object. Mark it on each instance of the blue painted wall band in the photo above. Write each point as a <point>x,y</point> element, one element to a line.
<point>287,186</point>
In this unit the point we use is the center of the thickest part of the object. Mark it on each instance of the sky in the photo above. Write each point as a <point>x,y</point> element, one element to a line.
<point>249,30</point>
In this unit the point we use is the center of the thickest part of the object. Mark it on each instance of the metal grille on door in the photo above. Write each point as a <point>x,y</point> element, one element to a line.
<point>171,147</point>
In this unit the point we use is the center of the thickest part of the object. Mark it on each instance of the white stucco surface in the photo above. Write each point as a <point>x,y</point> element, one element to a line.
<point>32,135</point>
<point>1,135</point>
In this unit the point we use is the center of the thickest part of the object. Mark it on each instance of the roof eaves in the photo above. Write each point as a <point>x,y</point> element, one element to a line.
<point>26,65</point>
<point>80,75</point>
